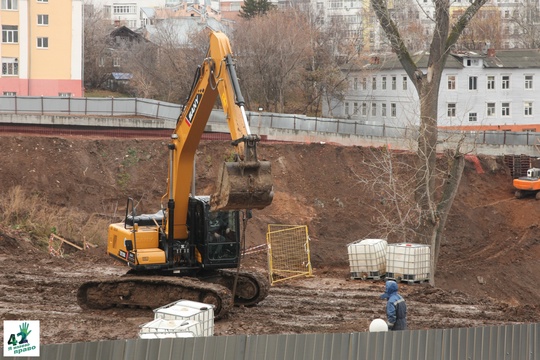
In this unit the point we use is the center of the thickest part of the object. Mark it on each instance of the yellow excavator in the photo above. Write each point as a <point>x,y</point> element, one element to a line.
<point>190,249</point>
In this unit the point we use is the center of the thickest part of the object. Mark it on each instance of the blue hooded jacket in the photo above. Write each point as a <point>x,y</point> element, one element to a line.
<point>396,309</point>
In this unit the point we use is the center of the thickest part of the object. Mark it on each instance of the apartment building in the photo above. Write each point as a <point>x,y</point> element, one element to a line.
<point>41,47</point>
<point>491,90</point>
<point>128,12</point>
<point>135,14</point>
<point>514,19</point>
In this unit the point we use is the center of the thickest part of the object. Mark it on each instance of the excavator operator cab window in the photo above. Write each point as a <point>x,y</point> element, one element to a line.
<point>222,235</point>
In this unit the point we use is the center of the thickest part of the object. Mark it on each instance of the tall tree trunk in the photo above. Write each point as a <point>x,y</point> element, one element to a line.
<point>434,210</point>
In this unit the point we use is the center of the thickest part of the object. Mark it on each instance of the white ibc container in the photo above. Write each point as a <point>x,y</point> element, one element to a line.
<point>189,310</point>
<point>367,258</point>
<point>161,329</point>
<point>408,262</point>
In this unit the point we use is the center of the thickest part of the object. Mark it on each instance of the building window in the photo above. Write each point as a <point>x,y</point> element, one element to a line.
<point>10,66</point>
<point>383,109</point>
<point>528,108</point>
<point>505,109</point>
<point>491,82</point>
<point>393,109</point>
<point>528,82</point>
<point>473,116</point>
<point>452,110</point>
<point>364,109</point>
<point>364,83</point>
<point>346,108</point>
<point>10,4</point>
<point>490,109</point>
<point>124,9</point>
<point>394,80</point>
<point>10,93</point>
<point>404,83</point>
<point>10,34</point>
<point>451,82</point>
<point>43,42</point>
<point>373,109</point>
<point>506,82</point>
<point>336,4</point>
<point>43,19</point>
<point>101,61</point>
<point>383,84</point>
<point>355,84</point>
<point>374,83</point>
<point>472,82</point>
<point>355,108</point>
<point>65,94</point>
<point>116,61</point>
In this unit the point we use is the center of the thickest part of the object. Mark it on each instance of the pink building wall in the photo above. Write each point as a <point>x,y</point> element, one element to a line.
<point>40,87</point>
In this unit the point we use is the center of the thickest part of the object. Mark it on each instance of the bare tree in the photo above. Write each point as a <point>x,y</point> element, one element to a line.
<point>434,205</point>
<point>484,28</point>
<point>96,47</point>
<point>336,50</point>
<point>163,68</point>
<point>526,21</point>
<point>139,60</point>
<point>406,15</point>
<point>272,51</point>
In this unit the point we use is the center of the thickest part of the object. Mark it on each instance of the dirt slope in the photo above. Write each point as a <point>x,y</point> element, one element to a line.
<point>488,262</point>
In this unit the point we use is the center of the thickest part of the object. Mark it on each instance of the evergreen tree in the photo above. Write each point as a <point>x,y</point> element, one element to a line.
<point>253,8</point>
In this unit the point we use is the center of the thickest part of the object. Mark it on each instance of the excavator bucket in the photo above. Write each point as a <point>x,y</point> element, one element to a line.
<point>243,185</point>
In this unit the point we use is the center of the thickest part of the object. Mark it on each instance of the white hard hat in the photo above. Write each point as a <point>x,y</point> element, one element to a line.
<point>378,325</point>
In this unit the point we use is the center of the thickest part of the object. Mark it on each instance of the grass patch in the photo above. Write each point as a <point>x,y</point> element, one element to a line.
<point>33,215</point>
<point>105,93</point>
<point>129,160</point>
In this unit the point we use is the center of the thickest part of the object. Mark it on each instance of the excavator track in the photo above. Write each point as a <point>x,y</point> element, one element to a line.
<point>152,292</point>
<point>251,287</point>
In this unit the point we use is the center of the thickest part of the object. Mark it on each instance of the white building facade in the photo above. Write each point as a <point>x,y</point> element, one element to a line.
<point>497,90</point>
<point>135,14</point>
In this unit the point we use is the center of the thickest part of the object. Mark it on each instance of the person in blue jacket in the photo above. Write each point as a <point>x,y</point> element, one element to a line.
<point>396,308</point>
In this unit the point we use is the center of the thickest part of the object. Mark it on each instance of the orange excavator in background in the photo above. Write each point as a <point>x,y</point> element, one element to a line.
<point>190,248</point>
<point>528,185</point>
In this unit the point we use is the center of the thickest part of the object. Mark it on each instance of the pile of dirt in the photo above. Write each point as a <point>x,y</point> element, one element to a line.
<point>486,269</point>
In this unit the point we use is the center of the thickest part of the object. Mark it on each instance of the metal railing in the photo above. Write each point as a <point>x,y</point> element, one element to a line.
<point>41,105</point>
<point>130,107</point>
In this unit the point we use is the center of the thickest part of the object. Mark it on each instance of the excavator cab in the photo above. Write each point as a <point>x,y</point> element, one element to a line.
<point>533,173</point>
<point>215,234</point>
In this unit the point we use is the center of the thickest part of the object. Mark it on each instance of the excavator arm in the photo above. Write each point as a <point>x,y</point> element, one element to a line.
<point>245,183</point>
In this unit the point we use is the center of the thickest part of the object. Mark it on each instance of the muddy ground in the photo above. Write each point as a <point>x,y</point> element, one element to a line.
<point>488,262</point>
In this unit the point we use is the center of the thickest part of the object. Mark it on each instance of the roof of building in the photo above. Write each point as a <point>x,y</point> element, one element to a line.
<point>121,76</point>
<point>515,58</point>
<point>148,11</point>
<point>125,33</point>
<point>510,59</point>
<point>391,61</point>
<point>183,28</point>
